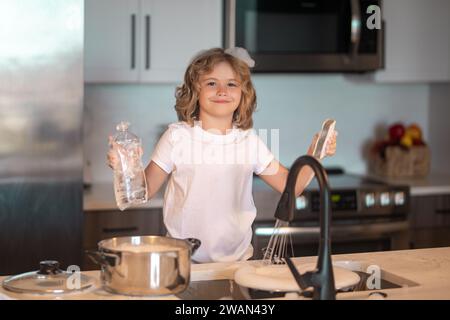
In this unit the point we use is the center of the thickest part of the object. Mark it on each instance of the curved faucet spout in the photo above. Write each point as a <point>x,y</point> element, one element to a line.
<point>321,279</point>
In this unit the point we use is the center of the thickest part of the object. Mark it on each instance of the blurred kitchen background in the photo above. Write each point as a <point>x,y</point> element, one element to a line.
<point>135,53</point>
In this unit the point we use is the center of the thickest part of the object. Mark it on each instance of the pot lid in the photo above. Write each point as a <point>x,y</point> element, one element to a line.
<point>49,279</point>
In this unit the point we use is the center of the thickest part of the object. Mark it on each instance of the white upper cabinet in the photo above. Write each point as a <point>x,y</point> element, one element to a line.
<point>110,46</point>
<point>147,40</point>
<point>174,31</point>
<point>417,41</point>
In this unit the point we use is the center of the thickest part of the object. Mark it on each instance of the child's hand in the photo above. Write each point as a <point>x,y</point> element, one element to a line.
<point>331,145</point>
<point>330,149</point>
<point>112,157</point>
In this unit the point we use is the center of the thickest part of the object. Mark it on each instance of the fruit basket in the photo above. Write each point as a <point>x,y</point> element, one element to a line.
<point>402,154</point>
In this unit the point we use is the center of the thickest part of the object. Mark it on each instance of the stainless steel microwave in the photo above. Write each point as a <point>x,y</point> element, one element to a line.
<point>307,35</point>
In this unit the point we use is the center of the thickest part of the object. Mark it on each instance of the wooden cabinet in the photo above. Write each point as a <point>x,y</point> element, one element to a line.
<point>430,221</point>
<point>147,40</point>
<point>417,41</point>
<point>100,225</point>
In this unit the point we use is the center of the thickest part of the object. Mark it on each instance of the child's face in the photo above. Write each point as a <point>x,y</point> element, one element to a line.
<point>220,92</point>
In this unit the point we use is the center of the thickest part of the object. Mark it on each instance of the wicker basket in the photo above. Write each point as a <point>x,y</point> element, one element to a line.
<point>401,162</point>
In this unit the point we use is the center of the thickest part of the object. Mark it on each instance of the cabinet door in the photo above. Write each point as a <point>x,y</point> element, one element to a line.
<point>430,211</point>
<point>173,32</point>
<point>111,41</point>
<point>100,225</point>
<point>417,41</point>
<point>430,221</point>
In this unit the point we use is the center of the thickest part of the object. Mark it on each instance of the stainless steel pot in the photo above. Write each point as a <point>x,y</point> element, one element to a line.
<point>145,265</point>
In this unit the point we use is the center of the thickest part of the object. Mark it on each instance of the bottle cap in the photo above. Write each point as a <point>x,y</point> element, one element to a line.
<point>122,126</point>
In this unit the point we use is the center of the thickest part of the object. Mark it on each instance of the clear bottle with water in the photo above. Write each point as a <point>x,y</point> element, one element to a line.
<point>130,185</point>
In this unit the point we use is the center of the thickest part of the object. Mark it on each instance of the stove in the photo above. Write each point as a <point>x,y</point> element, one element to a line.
<point>367,215</point>
<point>355,197</point>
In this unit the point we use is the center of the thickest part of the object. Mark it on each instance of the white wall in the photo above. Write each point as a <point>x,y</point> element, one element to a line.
<point>294,104</point>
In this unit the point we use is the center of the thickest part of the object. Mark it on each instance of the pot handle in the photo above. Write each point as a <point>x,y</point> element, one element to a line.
<point>194,243</point>
<point>103,259</point>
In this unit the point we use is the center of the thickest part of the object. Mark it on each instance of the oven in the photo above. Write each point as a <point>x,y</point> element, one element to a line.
<point>367,215</point>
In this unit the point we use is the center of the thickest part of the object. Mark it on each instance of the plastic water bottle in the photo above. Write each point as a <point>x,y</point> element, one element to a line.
<point>130,185</point>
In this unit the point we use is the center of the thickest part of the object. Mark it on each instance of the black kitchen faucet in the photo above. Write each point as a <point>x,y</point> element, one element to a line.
<point>321,279</point>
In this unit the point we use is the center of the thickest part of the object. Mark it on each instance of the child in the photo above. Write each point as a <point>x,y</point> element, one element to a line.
<point>210,157</point>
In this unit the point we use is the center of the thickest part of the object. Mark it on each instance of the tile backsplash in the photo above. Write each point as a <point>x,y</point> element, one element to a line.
<point>294,104</point>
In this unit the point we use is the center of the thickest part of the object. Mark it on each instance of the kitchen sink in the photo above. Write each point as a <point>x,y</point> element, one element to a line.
<point>229,289</point>
<point>369,272</point>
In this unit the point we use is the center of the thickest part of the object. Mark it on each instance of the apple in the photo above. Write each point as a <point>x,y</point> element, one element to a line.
<point>414,131</point>
<point>406,141</point>
<point>396,131</point>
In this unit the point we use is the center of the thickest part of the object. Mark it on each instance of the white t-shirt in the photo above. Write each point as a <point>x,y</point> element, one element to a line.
<point>209,192</point>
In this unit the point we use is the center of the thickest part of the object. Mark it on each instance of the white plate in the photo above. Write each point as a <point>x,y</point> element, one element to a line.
<point>279,278</point>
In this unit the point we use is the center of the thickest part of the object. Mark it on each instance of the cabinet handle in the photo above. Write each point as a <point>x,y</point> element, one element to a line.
<point>133,41</point>
<point>115,230</point>
<point>147,41</point>
<point>442,211</point>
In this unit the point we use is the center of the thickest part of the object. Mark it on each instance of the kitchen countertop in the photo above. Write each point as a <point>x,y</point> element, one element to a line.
<point>427,274</point>
<point>433,184</point>
<point>100,196</point>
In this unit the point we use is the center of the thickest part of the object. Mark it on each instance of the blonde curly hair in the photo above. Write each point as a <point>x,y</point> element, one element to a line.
<point>187,94</point>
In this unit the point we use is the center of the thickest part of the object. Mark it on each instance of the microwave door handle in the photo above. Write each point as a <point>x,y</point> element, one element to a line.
<point>230,23</point>
<point>355,27</point>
